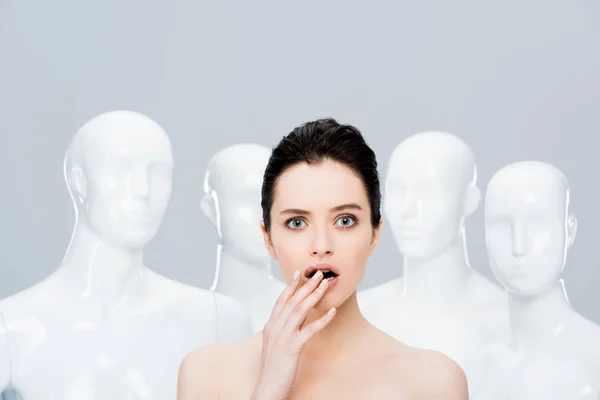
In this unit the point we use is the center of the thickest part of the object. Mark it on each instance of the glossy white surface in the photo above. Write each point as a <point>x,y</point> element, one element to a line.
<point>4,356</point>
<point>439,302</point>
<point>553,352</point>
<point>232,187</point>
<point>104,326</point>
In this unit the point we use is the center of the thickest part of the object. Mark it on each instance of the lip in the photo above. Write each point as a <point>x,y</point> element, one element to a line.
<point>141,217</point>
<point>322,266</point>
<point>519,272</point>
<point>332,282</point>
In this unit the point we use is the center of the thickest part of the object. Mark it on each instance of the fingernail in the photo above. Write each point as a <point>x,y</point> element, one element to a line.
<point>317,275</point>
<point>324,283</point>
<point>296,275</point>
<point>331,311</point>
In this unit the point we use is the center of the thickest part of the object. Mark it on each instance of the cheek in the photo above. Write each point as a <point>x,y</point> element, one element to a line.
<point>291,253</point>
<point>352,249</point>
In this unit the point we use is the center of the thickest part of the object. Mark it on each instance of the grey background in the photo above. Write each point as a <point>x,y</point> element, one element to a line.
<point>517,80</point>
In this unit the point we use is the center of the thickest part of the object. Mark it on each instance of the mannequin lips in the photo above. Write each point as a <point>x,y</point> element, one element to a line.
<point>139,217</point>
<point>408,232</point>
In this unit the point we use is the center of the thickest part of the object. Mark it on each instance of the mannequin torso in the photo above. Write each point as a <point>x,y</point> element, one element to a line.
<point>130,352</point>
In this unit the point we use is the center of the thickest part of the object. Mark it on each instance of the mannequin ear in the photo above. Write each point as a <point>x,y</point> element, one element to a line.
<point>78,183</point>
<point>472,199</point>
<point>571,230</point>
<point>209,208</point>
<point>268,241</point>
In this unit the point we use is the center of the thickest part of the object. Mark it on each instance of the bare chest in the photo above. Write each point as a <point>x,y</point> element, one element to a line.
<point>366,381</point>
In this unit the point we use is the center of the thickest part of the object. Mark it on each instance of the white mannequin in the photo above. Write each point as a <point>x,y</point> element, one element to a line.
<point>440,302</point>
<point>553,352</point>
<point>232,187</point>
<point>4,357</point>
<point>103,325</point>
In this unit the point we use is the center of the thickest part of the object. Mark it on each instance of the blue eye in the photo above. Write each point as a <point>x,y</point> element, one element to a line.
<point>346,221</point>
<point>295,223</point>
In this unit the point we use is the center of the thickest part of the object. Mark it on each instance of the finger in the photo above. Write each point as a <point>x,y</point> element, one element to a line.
<point>309,330</point>
<point>300,312</point>
<point>289,290</point>
<point>300,295</point>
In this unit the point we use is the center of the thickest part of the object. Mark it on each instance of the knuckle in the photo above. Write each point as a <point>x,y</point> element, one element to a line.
<point>300,310</point>
<point>268,331</point>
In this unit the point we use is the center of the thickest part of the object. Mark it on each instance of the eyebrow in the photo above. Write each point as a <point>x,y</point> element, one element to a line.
<point>343,207</point>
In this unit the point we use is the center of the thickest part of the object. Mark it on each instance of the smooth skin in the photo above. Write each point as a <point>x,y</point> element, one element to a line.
<point>317,344</point>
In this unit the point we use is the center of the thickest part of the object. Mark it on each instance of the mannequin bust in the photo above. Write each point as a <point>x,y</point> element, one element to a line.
<point>103,325</point>
<point>232,187</point>
<point>4,357</point>
<point>552,352</point>
<point>440,303</point>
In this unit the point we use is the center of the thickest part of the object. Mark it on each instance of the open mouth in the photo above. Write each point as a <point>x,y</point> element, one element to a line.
<point>328,272</point>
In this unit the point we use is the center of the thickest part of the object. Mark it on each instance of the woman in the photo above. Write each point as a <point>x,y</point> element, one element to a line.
<point>321,221</point>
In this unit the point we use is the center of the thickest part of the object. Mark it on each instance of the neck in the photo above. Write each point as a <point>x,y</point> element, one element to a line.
<point>341,337</point>
<point>441,277</point>
<point>534,318</point>
<point>236,277</point>
<point>99,271</point>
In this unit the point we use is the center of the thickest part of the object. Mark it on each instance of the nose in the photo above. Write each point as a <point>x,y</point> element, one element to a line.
<point>518,240</point>
<point>140,185</point>
<point>408,204</point>
<point>321,244</point>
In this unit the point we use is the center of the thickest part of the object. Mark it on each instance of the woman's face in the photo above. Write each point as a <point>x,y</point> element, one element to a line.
<point>320,215</point>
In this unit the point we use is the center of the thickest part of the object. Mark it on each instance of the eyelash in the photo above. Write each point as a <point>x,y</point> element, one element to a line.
<point>352,217</point>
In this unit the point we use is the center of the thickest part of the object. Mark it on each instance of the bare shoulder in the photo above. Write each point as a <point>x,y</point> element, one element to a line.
<point>206,372</point>
<point>439,377</point>
<point>421,373</point>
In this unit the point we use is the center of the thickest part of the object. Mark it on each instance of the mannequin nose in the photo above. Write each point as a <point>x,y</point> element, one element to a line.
<point>140,186</point>
<point>408,204</point>
<point>518,241</point>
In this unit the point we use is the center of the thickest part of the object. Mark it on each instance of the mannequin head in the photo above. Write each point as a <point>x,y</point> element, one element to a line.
<point>320,201</point>
<point>118,170</point>
<point>430,189</point>
<point>231,201</point>
<point>528,228</point>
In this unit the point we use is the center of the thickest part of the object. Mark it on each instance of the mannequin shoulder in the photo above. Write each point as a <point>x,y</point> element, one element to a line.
<point>207,372</point>
<point>4,355</point>
<point>37,301</point>
<point>439,377</point>
<point>233,320</point>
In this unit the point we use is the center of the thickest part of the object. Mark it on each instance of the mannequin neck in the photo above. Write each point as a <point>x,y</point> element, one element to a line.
<point>443,276</point>
<point>101,272</point>
<point>534,318</point>
<point>237,278</point>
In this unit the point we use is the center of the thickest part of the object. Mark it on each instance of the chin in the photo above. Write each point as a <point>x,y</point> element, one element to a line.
<point>329,300</point>
<point>412,249</point>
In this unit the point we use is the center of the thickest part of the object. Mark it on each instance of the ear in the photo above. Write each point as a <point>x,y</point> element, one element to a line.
<point>375,238</point>
<point>78,183</point>
<point>268,241</point>
<point>472,199</point>
<point>208,207</point>
<point>571,230</point>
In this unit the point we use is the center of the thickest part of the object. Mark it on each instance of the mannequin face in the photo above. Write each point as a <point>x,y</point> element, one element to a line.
<point>233,184</point>
<point>527,234</point>
<point>240,216</point>
<point>321,214</point>
<point>128,187</point>
<point>424,203</point>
